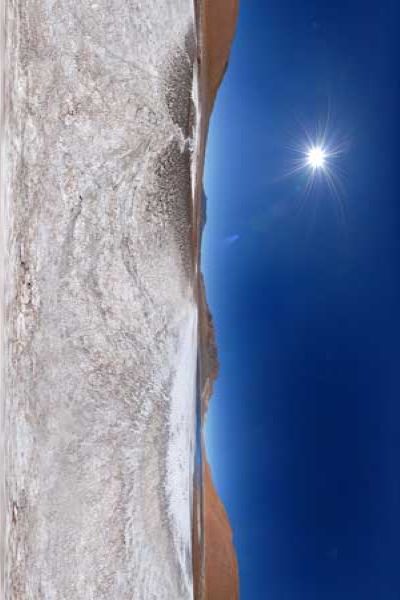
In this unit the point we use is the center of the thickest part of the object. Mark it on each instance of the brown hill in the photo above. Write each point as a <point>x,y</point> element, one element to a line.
<point>221,568</point>
<point>219,22</point>
<point>215,562</point>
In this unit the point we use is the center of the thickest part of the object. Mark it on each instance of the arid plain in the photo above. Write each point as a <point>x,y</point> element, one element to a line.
<point>107,344</point>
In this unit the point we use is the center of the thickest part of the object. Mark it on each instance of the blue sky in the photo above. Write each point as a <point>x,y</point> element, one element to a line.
<point>304,426</point>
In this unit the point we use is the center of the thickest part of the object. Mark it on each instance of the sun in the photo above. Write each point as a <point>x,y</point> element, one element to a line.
<point>316,157</point>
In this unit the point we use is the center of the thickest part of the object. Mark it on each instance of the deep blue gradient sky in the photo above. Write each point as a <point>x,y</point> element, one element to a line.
<point>304,427</point>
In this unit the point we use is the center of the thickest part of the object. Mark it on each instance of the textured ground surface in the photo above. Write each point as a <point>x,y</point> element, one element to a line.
<point>99,325</point>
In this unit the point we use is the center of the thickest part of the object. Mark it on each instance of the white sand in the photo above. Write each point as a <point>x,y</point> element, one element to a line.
<point>99,324</point>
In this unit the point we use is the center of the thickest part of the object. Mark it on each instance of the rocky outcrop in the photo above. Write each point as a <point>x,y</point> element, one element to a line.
<point>208,349</point>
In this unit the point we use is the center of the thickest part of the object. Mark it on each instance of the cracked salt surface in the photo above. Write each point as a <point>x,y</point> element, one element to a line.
<point>99,323</point>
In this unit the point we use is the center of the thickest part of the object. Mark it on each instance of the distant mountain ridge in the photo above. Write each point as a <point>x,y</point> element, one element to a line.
<point>221,574</point>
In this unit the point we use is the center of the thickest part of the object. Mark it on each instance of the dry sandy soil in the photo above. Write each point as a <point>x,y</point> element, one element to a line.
<point>98,347</point>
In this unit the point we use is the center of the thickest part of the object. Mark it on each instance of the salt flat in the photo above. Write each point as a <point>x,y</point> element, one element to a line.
<point>99,319</point>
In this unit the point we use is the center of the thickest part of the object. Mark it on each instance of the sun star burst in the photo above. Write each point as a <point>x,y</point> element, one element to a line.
<point>318,159</point>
